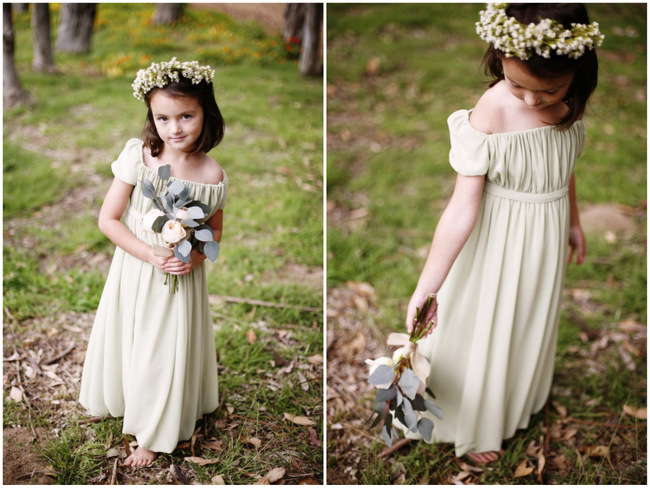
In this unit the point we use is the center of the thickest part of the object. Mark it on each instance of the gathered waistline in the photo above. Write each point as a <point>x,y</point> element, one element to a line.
<point>525,197</point>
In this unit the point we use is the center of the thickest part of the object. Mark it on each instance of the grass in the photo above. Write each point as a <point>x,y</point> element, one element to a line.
<point>57,155</point>
<point>395,72</point>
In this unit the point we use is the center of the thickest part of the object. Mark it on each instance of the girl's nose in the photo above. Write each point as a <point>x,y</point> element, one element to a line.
<point>531,99</point>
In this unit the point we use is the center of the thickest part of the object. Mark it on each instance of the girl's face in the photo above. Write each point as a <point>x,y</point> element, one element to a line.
<point>179,121</point>
<point>536,93</point>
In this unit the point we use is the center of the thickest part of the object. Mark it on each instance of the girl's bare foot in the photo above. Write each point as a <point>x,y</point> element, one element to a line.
<point>484,457</point>
<point>141,457</point>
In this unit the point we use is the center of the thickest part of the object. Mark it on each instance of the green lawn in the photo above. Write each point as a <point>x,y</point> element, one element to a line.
<point>395,73</point>
<point>57,155</point>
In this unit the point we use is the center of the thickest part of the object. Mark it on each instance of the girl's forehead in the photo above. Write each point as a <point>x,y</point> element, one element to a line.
<point>516,72</point>
<point>162,101</point>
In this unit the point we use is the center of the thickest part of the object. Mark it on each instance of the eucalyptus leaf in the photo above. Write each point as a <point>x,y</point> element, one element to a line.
<point>195,213</point>
<point>184,193</point>
<point>175,187</point>
<point>399,413</point>
<point>164,172</point>
<point>211,250</point>
<point>387,436</point>
<point>382,375</point>
<point>184,248</point>
<point>409,383</point>
<point>168,203</point>
<point>148,190</point>
<point>386,394</point>
<point>377,420</point>
<point>203,235</point>
<point>418,403</point>
<point>400,398</point>
<point>190,223</point>
<point>425,428</point>
<point>159,223</point>
<point>410,417</point>
<point>179,256</point>
<point>433,408</point>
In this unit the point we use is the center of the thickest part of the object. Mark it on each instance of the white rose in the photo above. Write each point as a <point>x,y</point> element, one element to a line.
<point>374,364</point>
<point>398,355</point>
<point>150,218</point>
<point>173,231</point>
<point>182,214</point>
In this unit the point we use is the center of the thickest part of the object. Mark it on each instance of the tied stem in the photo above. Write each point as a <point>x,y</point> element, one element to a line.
<point>420,327</point>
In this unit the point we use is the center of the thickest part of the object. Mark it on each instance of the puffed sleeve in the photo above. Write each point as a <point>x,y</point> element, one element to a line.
<point>125,168</point>
<point>469,154</point>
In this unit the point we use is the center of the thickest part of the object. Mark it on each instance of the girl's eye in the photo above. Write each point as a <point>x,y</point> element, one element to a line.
<point>187,116</point>
<point>551,92</point>
<point>162,119</point>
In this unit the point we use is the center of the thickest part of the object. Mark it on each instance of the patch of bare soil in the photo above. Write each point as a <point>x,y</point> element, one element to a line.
<point>21,464</point>
<point>602,217</point>
<point>268,15</point>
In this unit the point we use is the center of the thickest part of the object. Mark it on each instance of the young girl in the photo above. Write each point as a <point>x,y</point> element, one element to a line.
<point>502,244</point>
<point>151,357</point>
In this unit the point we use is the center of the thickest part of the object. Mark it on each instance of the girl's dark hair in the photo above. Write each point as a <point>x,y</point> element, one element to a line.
<point>584,69</point>
<point>213,123</point>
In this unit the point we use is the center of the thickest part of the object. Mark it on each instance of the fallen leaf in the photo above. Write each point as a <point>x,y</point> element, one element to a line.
<point>272,476</point>
<point>201,461</point>
<point>218,480</point>
<point>597,451</point>
<point>461,476</point>
<point>631,326</point>
<point>213,445</point>
<point>541,462</point>
<point>350,351</point>
<point>252,440</point>
<point>466,467</point>
<point>251,337</point>
<point>313,436</point>
<point>640,413</point>
<point>16,394</point>
<point>296,419</point>
<point>308,481</point>
<point>303,382</point>
<point>523,470</point>
<point>316,359</point>
<point>112,452</point>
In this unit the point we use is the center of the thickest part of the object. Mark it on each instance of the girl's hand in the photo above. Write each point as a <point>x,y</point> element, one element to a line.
<point>158,262</point>
<point>175,266</point>
<point>417,302</point>
<point>577,243</point>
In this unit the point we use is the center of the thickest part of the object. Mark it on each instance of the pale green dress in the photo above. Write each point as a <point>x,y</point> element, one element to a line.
<point>151,356</point>
<point>492,354</point>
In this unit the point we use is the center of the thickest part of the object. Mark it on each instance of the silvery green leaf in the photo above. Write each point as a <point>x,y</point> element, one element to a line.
<point>211,250</point>
<point>190,223</point>
<point>168,203</point>
<point>387,436</point>
<point>409,383</point>
<point>176,187</point>
<point>184,248</point>
<point>410,417</point>
<point>400,398</point>
<point>382,375</point>
<point>148,190</point>
<point>179,256</point>
<point>185,193</point>
<point>195,213</point>
<point>164,172</point>
<point>433,408</point>
<point>158,223</point>
<point>425,428</point>
<point>386,394</point>
<point>203,235</point>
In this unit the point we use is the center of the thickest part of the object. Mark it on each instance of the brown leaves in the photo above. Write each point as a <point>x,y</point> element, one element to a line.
<point>272,476</point>
<point>201,461</point>
<point>523,469</point>
<point>640,413</point>
<point>251,337</point>
<point>296,419</point>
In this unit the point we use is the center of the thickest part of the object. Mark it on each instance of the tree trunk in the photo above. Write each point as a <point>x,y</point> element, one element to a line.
<point>43,59</point>
<point>167,13</point>
<point>294,19</point>
<point>21,8</point>
<point>12,91</point>
<point>76,27</point>
<point>310,63</point>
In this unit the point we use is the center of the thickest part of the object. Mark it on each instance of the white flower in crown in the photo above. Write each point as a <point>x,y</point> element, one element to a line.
<point>515,39</point>
<point>161,74</point>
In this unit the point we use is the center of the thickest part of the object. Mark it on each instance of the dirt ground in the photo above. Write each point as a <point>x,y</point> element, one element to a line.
<point>268,15</point>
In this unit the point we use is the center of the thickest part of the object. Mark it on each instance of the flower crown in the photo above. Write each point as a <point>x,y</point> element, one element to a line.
<point>515,39</point>
<point>161,74</point>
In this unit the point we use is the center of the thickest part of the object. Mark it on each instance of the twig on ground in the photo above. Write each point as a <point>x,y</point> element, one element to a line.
<point>601,424</point>
<point>251,301</point>
<point>114,473</point>
<point>386,453</point>
<point>127,445</point>
<point>67,351</point>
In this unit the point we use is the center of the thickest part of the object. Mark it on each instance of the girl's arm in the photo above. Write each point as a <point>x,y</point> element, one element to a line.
<point>453,230</point>
<point>177,267</point>
<point>576,237</point>
<point>109,223</point>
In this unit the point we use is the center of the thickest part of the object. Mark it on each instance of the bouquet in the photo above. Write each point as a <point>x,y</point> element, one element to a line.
<point>180,221</point>
<point>401,381</point>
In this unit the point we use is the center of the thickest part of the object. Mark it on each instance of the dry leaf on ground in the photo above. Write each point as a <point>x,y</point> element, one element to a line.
<point>251,336</point>
<point>297,419</point>
<point>523,470</point>
<point>252,440</point>
<point>218,480</point>
<point>640,413</point>
<point>201,461</point>
<point>272,476</point>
